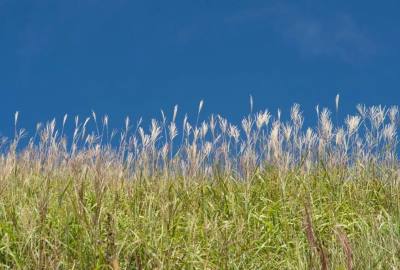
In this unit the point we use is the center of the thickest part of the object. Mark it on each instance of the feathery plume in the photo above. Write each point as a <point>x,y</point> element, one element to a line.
<point>200,106</point>
<point>175,113</point>
<point>337,102</point>
<point>352,123</point>
<point>251,104</point>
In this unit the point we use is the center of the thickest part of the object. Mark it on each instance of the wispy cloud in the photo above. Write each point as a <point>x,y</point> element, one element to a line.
<point>338,35</point>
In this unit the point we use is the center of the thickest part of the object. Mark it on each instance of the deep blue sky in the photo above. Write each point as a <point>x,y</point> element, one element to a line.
<point>133,58</point>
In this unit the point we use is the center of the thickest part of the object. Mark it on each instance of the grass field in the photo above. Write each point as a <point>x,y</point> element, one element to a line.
<point>268,195</point>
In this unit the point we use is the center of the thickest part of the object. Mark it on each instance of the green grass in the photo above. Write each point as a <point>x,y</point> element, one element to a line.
<point>82,222</point>
<point>269,195</point>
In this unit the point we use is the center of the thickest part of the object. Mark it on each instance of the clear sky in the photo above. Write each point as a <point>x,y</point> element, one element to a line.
<point>134,58</point>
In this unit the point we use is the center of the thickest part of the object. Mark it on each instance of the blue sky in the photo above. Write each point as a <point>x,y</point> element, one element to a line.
<point>134,58</point>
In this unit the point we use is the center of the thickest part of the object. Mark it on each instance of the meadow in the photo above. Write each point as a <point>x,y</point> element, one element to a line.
<point>266,194</point>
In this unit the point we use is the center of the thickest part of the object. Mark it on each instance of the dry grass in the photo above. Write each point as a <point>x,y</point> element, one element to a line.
<point>267,195</point>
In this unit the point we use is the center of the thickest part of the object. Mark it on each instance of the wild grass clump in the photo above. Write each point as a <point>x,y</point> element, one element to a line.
<point>270,194</point>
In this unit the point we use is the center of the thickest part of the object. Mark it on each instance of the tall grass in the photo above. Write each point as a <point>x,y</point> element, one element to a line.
<point>268,194</point>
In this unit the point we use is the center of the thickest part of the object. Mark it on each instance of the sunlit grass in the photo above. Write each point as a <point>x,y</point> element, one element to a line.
<point>65,223</point>
<point>276,196</point>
